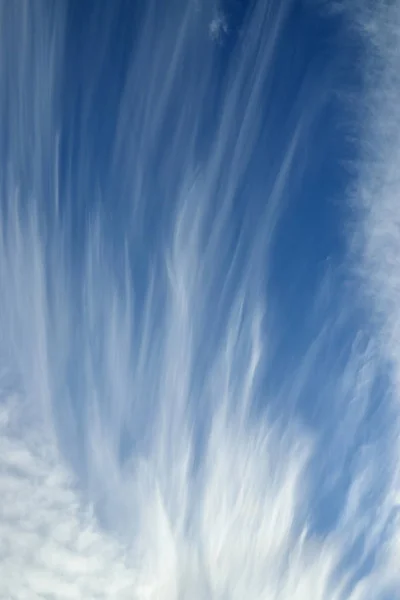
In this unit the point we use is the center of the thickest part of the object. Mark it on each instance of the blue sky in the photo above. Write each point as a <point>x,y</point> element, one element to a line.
<point>198,285</point>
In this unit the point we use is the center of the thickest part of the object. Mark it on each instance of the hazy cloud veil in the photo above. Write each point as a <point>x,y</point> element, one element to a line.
<point>169,429</point>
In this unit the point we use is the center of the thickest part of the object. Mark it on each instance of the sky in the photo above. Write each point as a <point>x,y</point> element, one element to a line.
<point>199,281</point>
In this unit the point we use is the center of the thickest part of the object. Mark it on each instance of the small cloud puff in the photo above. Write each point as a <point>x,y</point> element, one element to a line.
<point>218,27</point>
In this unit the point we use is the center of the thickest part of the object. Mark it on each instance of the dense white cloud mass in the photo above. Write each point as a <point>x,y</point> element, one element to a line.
<point>245,533</point>
<point>377,189</point>
<point>133,463</point>
<point>49,546</point>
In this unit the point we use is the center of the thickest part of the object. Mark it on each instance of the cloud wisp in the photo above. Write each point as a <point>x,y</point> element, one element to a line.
<point>139,453</point>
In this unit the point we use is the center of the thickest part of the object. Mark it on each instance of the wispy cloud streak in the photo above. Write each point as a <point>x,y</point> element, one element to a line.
<point>134,462</point>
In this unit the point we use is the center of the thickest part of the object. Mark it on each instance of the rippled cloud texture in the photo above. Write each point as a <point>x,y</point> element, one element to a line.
<point>169,429</point>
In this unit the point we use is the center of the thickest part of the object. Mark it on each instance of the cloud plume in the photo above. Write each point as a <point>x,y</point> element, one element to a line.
<point>151,445</point>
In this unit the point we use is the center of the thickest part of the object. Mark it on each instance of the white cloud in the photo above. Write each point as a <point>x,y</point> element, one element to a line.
<point>50,546</point>
<point>239,536</point>
<point>377,192</point>
<point>218,27</point>
<point>161,519</point>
